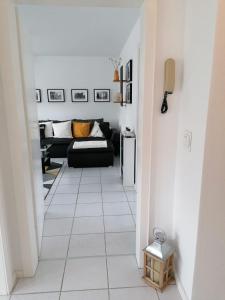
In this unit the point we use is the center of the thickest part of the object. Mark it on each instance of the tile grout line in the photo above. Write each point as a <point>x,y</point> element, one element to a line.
<point>128,202</point>
<point>134,219</point>
<point>67,254</point>
<point>83,290</point>
<point>80,202</point>
<point>106,259</point>
<point>52,195</point>
<point>45,213</point>
<point>56,218</point>
<point>109,232</point>
<point>63,171</point>
<point>91,256</point>
<point>63,167</point>
<point>157,294</point>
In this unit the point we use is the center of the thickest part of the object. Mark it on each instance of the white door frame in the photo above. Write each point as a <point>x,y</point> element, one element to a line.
<point>7,278</point>
<point>146,93</point>
<point>145,117</point>
<point>4,276</point>
<point>24,206</point>
<point>16,201</point>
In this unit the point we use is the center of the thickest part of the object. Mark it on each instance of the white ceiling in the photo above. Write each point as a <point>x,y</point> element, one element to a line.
<point>78,31</point>
<point>83,3</point>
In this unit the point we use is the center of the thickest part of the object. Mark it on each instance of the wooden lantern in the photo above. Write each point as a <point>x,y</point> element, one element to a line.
<point>159,262</point>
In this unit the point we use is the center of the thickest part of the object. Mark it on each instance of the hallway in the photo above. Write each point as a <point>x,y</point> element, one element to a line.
<point>88,247</point>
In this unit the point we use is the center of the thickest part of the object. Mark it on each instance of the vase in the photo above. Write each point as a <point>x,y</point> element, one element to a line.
<point>116,75</point>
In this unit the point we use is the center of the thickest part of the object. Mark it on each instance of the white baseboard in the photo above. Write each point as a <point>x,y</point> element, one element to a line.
<point>10,286</point>
<point>19,274</point>
<point>181,288</point>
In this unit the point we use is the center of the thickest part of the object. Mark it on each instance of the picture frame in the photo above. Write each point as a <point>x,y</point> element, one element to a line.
<point>38,95</point>
<point>79,95</point>
<point>129,93</point>
<point>56,95</point>
<point>101,95</point>
<point>129,71</point>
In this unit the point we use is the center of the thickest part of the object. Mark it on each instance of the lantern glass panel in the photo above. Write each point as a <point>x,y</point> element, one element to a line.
<point>171,274</point>
<point>157,265</point>
<point>152,263</point>
<point>149,261</point>
<point>156,277</point>
<point>166,265</point>
<point>165,278</point>
<point>171,260</point>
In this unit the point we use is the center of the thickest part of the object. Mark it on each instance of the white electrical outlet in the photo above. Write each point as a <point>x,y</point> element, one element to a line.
<point>187,140</point>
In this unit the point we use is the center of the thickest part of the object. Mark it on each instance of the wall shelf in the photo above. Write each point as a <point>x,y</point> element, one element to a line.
<point>121,81</point>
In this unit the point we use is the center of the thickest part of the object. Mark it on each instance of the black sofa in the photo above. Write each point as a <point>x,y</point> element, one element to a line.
<point>60,147</point>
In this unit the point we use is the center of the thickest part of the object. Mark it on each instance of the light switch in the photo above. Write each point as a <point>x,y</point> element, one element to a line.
<point>187,140</point>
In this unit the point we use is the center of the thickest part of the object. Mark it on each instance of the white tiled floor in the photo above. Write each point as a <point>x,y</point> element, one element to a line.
<point>88,247</point>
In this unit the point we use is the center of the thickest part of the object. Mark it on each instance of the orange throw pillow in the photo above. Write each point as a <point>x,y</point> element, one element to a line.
<point>81,129</point>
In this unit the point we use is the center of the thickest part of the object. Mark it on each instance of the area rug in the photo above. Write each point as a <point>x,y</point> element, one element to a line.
<point>51,172</point>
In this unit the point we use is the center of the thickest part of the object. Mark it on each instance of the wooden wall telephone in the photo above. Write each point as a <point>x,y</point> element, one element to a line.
<point>169,82</point>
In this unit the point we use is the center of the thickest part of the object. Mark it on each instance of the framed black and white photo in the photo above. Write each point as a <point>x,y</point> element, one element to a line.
<point>56,95</point>
<point>79,95</point>
<point>38,95</point>
<point>129,93</point>
<point>101,95</point>
<point>129,71</point>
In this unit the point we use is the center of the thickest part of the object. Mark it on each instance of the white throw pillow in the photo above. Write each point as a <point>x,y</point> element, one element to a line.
<point>48,129</point>
<point>96,131</point>
<point>62,130</point>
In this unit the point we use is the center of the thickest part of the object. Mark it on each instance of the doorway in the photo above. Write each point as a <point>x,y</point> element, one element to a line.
<point>39,174</point>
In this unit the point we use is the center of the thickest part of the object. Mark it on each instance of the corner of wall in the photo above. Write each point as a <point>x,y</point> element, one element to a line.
<point>129,114</point>
<point>181,288</point>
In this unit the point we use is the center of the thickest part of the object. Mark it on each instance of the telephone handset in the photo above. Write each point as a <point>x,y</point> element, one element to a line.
<point>169,82</point>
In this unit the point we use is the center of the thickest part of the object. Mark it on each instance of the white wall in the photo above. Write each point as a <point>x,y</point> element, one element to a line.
<point>185,32</point>
<point>169,44</point>
<point>70,72</point>
<point>210,258</point>
<point>129,113</point>
<point>200,22</point>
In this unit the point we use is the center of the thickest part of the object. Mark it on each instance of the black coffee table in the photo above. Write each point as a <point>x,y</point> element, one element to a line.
<point>90,157</point>
<point>45,158</point>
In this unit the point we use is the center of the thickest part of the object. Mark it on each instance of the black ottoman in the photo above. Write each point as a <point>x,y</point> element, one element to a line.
<point>91,157</point>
